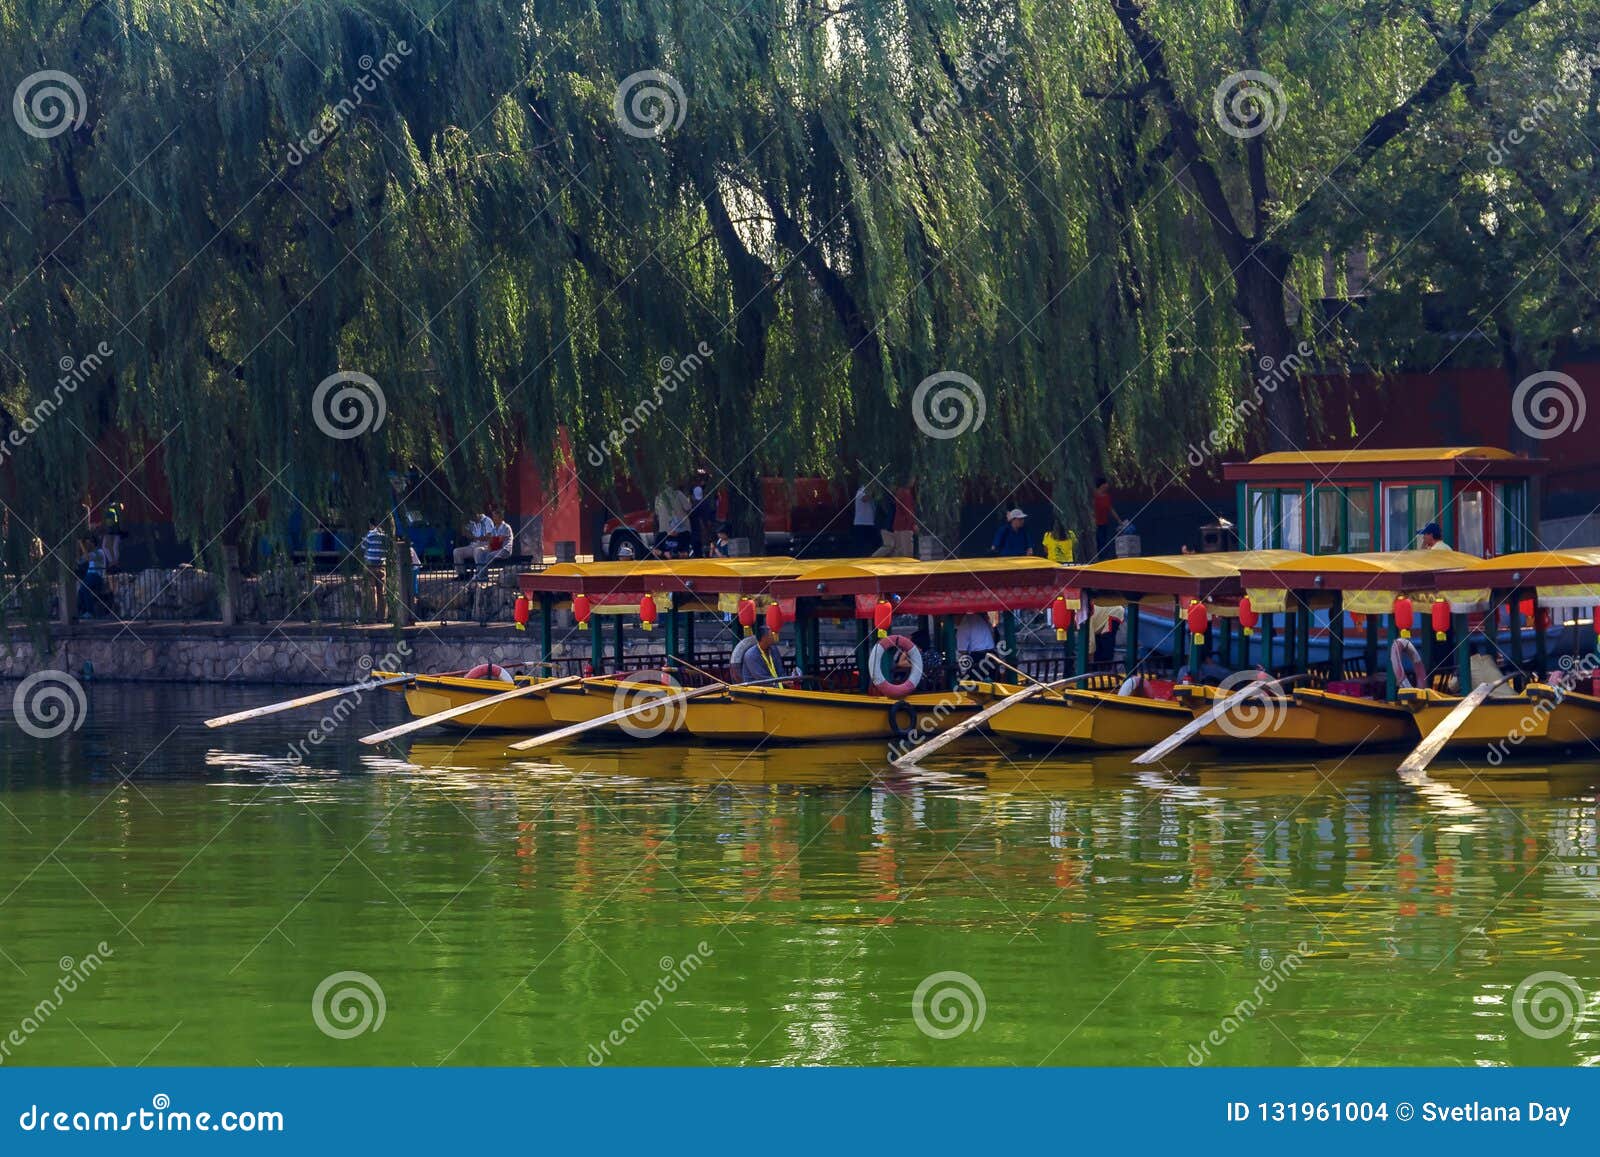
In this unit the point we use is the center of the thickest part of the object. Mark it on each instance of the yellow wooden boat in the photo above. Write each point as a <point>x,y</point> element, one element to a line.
<point>1076,718</point>
<point>1547,706</point>
<point>795,715</point>
<point>430,694</point>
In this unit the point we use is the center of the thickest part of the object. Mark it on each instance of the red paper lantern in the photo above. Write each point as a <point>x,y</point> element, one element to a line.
<point>883,617</point>
<point>647,612</point>
<point>774,618</point>
<point>1441,619</point>
<point>1197,620</point>
<point>1247,616</point>
<point>747,614</point>
<point>1525,609</point>
<point>1061,617</point>
<point>1403,616</point>
<point>581,611</point>
<point>519,612</point>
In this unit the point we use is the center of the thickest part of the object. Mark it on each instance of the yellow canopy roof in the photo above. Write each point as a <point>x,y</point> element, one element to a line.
<point>1421,454</point>
<point>917,568</point>
<point>1382,562</point>
<point>1220,564</point>
<point>1539,560</point>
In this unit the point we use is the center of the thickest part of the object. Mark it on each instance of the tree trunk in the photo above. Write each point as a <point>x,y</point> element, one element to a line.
<point>1259,298</point>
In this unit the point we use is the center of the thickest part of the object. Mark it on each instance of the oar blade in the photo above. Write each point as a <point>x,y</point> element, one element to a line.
<point>1198,724</point>
<point>1437,739</point>
<point>966,726</point>
<point>304,700</point>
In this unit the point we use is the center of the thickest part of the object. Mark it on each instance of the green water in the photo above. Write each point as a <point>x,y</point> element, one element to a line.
<point>523,911</point>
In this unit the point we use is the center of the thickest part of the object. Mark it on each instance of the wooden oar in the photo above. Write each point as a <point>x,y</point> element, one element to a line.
<point>303,701</point>
<point>1195,726</point>
<point>467,709</point>
<point>967,725</point>
<point>651,704</point>
<point>1434,742</point>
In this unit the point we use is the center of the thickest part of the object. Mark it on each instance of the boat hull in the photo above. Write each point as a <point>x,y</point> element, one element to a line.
<point>1082,719</point>
<point>1539,719</point>
<point>1302,720</point>
<point>789,715</point>
<point>431,694</point>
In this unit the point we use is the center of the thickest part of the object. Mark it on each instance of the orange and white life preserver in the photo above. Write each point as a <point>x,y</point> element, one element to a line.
<point>878,658</point>
<point>1397,652</point>
<point>490,671</point>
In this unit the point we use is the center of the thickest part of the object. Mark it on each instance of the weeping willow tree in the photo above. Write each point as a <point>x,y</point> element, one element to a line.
<point>512,216</point>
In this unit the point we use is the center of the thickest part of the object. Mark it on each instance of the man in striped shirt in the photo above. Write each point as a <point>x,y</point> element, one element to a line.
<point>374,549</point>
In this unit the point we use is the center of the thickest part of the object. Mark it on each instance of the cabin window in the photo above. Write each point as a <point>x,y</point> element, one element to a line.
<point>1343,519</point>
<point>1469,516</point>
<point>1511,516</point>
<point>1406,510</point>
<point>1277,519</point>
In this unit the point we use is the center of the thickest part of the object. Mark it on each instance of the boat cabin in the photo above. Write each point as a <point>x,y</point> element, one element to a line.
<point>1532,593</point>
<point>1369,501</point>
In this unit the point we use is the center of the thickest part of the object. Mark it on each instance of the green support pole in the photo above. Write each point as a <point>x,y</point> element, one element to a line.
<point>1244,647</point>
<point>1424,631</point>
<point>863,652</point>
<point>688,635</point>
<point>1085,634</point>
<point>1130,651</point>
<point>1389,688</point>
<point>1336,638</point>
<point>1225,644</point>
<point>616,644</point>
<point>952,659</point>
<point>546,627</point>
<point>1463,654</point>
<point>670,662</point>
<point>597,647</point>
<point>1268,643</point>
<point>1514,614</point>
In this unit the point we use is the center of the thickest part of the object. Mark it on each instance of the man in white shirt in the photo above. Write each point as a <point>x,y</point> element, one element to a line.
<point>672,522</point>
<point>478,531</point>
<point>497,545</point>
<point>865,522</point>
<point>974,641</point>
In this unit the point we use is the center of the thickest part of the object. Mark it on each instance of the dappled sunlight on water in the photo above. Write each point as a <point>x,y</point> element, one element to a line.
<point>705,905</point>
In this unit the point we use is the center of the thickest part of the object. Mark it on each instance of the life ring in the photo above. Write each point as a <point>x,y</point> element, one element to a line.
<point>736,660</point>
<point>875,664</point>
<point>901,730</point>
<point>490,671</point>
<point>1419,674</point>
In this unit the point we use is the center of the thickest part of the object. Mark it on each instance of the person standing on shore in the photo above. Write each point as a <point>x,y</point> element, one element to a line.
<point>374,545</point>
<point>1012,540</point>
<point>1106,518</point>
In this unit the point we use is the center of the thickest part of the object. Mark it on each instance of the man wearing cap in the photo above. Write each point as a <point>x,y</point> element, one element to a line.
<point>1433,538</point>
<point>1012,538</point>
